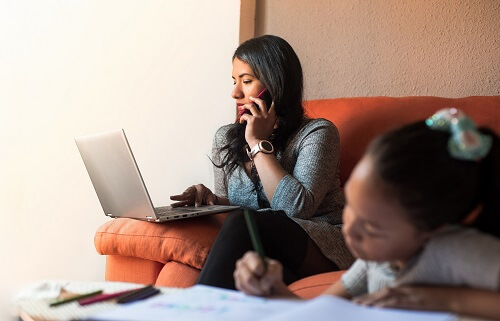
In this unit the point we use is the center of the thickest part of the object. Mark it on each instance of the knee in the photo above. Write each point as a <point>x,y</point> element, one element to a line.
<point>235,217</point>
<point>235,222</point>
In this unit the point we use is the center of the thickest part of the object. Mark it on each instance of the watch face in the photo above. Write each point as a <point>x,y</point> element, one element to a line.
<point>266,146</point>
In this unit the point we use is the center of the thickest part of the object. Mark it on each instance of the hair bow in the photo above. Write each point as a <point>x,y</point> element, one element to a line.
<point>466,142</point>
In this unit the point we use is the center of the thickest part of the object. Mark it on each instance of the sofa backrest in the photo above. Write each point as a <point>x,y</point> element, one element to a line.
<point>361,119</point>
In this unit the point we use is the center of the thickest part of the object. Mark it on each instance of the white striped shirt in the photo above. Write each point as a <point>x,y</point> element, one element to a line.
<point>457,257</point>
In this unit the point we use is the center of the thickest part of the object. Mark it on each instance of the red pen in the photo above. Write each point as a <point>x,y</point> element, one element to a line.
<point>104,297</point>
<point>258,96</point>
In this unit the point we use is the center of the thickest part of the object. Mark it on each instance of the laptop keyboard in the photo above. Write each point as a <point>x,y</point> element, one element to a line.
<point>168,210</point>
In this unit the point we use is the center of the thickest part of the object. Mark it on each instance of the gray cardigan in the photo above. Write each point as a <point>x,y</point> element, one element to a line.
<point>310,193</point>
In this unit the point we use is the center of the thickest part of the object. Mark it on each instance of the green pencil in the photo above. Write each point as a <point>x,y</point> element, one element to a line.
<point>254,235</point>
<point>74,298</point>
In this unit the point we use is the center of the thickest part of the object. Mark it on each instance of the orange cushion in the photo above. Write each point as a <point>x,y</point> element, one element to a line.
<point>177,275</point>
<point>131,269</point>
<point>361,119</point>
<point>313,286</point>
<point>186,241</point>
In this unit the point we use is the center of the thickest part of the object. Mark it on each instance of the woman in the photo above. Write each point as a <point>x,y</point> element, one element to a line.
<point>278,162</point>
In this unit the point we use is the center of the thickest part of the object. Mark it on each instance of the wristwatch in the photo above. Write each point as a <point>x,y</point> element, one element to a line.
<point>264,146</point>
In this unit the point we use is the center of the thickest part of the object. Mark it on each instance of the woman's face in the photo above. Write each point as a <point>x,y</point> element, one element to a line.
<point>245,83</point>
<point>375,226</point>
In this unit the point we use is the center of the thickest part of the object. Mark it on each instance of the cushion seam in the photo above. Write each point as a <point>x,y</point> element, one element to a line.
<point>311,286</point>
<point>139,235</point>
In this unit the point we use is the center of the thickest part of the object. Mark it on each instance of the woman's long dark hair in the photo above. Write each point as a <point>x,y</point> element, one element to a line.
<point>276,65</point>
<point>433,187</point>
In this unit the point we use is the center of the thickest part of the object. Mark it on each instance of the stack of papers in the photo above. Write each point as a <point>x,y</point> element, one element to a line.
<point>213,304</point>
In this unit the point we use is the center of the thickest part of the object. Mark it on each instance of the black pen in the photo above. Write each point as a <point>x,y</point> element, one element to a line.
<point>139,294</point>
<point>254,235</point>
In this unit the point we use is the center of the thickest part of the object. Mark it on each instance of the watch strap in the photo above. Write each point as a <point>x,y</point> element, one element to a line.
<point>259,148</point>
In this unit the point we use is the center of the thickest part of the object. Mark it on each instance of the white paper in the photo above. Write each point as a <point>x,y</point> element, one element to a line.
<point>199,303</point>
<point>331,308</point>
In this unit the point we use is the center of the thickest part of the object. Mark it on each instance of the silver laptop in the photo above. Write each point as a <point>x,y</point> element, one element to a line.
<point>119,184</point>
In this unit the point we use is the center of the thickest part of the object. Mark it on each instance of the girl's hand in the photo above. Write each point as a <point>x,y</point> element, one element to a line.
<point>412,297</point>
<point>195,195</point>
<point>260,123</point>
<point>252,277</point>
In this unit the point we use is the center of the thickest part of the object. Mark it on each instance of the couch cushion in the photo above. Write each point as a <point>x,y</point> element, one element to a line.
<point>131,269</point>
<point>177,275</point>
<point>185,241</point>
<point>361,119</point>
<point>313,286</point>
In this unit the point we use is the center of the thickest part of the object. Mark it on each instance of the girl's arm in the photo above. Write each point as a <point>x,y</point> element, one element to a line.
<point>459,300</point>
<point>338,289</point>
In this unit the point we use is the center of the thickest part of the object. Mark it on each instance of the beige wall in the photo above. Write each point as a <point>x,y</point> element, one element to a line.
<point>159,69</point>
<point>390,47</point>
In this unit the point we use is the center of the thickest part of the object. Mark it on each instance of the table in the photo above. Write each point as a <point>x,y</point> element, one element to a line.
<point>29,308</point>
<point>33,303</point>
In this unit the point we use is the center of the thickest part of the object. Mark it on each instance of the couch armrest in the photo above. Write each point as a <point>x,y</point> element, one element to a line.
<point>187,241</point>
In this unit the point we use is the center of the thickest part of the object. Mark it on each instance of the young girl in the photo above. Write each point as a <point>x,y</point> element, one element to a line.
<point>278,162</point>
<point>422,207</point>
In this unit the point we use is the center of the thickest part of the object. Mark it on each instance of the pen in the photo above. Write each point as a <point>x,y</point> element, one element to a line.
<point>254,235</point>
<point>139,294</point>
<point>103,297</point>
<point>75,298</point>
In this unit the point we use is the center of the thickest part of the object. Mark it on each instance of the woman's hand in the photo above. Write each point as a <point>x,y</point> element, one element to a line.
<point>252,277</point>
<point>195,195</point>
<point>260,123</point>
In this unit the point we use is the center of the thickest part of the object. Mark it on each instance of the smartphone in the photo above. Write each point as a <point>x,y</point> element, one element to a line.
<point>265,96</point>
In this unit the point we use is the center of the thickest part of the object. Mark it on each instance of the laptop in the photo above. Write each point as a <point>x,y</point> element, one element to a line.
<point>119,185</point>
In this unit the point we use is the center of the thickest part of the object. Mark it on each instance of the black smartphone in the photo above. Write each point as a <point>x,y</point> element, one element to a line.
<point>266,97</point>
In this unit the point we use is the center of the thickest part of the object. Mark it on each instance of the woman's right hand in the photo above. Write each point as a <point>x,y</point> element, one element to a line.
<point>252,277</point>
<point>195,195</point>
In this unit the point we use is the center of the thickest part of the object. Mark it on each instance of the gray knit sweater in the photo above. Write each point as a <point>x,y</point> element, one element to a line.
<point>310,193</point>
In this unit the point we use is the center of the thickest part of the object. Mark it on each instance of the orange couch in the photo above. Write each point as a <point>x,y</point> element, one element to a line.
<point>172,254</point>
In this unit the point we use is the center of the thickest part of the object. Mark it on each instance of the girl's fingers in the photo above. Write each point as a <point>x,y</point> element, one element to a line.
<point>245,279</point>
<point>254,263</point>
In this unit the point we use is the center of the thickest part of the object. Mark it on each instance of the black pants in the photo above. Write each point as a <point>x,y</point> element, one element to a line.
<point>282,239</point>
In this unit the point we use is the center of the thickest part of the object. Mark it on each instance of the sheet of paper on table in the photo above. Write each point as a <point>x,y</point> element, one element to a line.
<point>213,304</point>
<point>199,303</point>
<point>327,307</point>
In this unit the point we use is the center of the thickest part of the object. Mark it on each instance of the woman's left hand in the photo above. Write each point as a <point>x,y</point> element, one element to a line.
<point>412,297</point>
<point>260,123</point>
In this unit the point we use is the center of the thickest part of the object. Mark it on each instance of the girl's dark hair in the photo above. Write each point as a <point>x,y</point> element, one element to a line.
<point>433,187</point>
<point>277,67</point>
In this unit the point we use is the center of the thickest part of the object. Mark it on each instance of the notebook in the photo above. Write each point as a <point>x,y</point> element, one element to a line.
<point>119,185</point>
